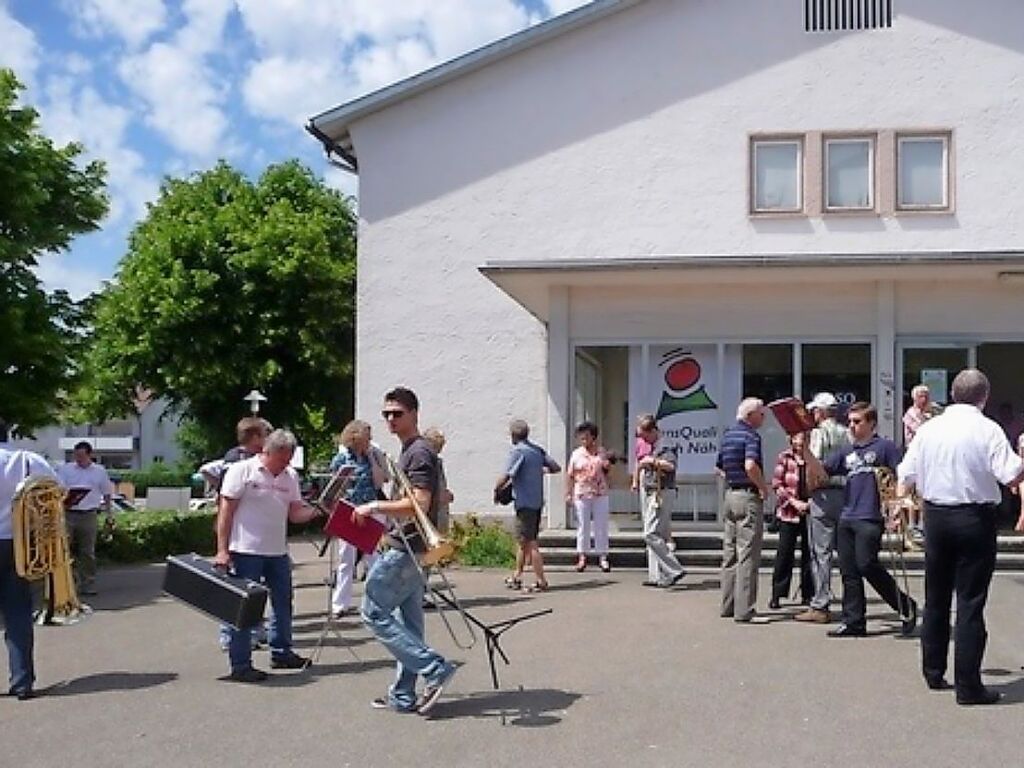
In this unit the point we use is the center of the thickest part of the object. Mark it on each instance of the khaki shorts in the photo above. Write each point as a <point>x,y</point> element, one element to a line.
<point>527,524</point>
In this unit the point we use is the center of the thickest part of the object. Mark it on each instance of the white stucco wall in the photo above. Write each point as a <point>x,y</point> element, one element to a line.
<point>630,138</point>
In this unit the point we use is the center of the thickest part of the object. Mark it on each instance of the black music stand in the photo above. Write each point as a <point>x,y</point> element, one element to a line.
<point>492,632</point>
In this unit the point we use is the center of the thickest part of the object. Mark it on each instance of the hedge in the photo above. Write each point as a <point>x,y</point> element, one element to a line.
<point>156,476</point>
<point>487,545</point>
<point>153,534</point>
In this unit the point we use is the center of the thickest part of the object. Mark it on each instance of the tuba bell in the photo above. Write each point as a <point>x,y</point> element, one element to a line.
<point>41,544</point>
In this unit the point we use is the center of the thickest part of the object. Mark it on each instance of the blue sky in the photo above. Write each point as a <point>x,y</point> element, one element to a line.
<point>167,87</point>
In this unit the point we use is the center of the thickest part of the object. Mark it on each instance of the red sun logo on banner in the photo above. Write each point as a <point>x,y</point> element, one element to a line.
<point>682,374</point>
<point>682,377</point>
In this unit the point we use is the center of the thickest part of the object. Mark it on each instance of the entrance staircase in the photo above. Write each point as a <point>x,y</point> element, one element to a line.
<point>702,548</point>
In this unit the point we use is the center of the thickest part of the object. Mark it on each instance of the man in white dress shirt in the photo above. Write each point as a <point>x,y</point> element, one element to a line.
<point>956,461</point>
<point>82,517</point>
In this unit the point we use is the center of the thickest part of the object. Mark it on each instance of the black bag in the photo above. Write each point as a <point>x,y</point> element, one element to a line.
<point>503,495</point>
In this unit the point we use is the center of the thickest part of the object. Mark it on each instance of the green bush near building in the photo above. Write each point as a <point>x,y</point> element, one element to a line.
<point>156,476</point>
<point>487,545</point>
<point>151,535</point>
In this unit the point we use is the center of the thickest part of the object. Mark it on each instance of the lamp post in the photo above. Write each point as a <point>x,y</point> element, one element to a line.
<point>254,398</point>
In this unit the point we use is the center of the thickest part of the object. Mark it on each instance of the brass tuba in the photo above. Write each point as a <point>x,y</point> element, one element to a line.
<point>41,543</point>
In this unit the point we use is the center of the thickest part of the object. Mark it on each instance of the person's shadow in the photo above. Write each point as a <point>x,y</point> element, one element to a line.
<point>1012,690</point>
<point>534,708</point>
<point>108,681</point>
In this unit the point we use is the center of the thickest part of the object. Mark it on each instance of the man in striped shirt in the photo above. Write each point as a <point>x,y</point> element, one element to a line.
<point>740,462</point>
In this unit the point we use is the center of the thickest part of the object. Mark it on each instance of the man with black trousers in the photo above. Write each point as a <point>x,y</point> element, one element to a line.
<point>956,462</point>
<point>859,535</point>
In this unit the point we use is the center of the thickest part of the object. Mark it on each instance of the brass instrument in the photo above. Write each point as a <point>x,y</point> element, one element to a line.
<point>437,550</point>
<point>894,511</point>
<point>41,544</point>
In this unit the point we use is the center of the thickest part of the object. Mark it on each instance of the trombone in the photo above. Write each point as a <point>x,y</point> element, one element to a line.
<point>436,550</point>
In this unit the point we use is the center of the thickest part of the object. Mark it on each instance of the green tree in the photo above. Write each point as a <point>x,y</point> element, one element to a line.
<point>46,198</point>
<point>229,285</point>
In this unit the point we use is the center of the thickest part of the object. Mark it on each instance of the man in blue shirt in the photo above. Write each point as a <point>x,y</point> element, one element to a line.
<point>859,536</point>
<point>740,462</point>
<point>525,468</point>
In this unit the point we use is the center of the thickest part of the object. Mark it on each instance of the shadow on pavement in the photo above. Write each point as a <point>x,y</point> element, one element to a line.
<point>314,672</point>
<point>524,708</point>
<point>109,681</point>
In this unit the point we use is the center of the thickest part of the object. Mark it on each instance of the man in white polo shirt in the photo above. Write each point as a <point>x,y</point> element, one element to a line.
<point>82,518</point>
<point>956,461</point>
<point>258,497</point>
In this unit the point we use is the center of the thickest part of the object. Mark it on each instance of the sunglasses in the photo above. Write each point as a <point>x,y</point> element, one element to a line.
<point>396,414</point>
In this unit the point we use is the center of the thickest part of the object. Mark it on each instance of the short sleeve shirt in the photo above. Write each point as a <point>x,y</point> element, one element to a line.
<point>94,477</point>
<point>739,443</point>
<point>360,489</point>
<point>419,462</point>
<point>260,524</point>
<point>656,480</point>
<point>858,463</point>
<point>15,466</point>
<point>525,465</point>
<point>587,472</point>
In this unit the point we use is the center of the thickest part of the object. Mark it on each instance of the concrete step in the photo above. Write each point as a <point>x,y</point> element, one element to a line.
<point>704,549</point>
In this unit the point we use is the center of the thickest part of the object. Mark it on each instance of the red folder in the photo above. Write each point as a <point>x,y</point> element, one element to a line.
<point>792,415</point>
<point>364,535</point>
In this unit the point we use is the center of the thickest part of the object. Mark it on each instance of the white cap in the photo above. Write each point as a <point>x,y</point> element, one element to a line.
<point>822,400</point>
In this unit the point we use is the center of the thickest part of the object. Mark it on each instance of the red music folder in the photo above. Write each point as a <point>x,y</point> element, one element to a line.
<point>364,535</point>
<point>792,416</point>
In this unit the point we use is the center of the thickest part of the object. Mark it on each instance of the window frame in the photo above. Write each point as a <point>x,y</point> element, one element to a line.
<point>946,137</point>
<point>852,138</point>
<point>801,158</point>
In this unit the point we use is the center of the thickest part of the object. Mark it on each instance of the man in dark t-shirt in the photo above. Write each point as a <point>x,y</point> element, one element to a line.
<point>393,602</point>
<point>859,535</point>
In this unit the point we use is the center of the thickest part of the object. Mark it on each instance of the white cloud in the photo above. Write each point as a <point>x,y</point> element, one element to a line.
<point>82,115</point>
<point>562,6</point>
<point>184,96</point>
<point>134,22</point>
<point>312,57</point>
<point>63,271</point>
<point>20,50</point>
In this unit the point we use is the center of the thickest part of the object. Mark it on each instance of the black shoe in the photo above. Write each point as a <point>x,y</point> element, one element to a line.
<point>847,630</point>
<point>909,622</point>
<point>289,661</point>
<point>677,578</point>
<point>982,697</point>
<point>247,675</point>
<point>774,604</point>
<point>649,583</point>
<point>382,703</point>
<point>22,695</point>
<point>937,684</point>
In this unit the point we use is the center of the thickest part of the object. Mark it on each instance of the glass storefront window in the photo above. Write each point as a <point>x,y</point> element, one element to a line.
<point>767,371</point>
<point>842,369</point>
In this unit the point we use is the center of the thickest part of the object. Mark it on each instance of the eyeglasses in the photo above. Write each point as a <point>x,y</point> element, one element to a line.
<point>396,414</point>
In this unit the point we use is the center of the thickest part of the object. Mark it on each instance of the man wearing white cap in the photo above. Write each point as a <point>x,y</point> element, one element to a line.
<point>826,502</point>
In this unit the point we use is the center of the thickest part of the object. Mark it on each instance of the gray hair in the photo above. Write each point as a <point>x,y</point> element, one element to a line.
<point>920,389</point>
<point>519,430</point>
<point>280,440</point>
<point>971,386</point>
<point>749,406</point>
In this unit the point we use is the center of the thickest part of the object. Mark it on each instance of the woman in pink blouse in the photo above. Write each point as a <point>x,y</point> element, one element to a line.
<point>791,493</point>
<point>588,491</point>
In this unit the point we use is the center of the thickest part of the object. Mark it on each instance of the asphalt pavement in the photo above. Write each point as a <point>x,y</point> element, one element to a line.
<point>618,675</point>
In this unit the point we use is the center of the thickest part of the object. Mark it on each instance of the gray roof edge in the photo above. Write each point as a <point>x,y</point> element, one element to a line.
<point>1013,257</point>
<point>334,123</point>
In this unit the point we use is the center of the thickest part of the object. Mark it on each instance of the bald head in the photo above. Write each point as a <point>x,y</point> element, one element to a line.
<point>971,387</point>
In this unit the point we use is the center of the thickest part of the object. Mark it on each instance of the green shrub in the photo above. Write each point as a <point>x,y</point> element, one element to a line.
<point>152,535</point>
<point>488,545</point>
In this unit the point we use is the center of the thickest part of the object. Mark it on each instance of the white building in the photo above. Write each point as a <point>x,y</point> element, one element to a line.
<point>134,442</point>
<point>550,223</point>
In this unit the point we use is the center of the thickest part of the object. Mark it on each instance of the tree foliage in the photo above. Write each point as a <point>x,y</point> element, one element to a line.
<point>46,198</point>
<point>227,285</point>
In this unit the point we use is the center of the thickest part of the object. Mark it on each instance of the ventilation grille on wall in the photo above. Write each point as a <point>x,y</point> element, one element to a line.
<point>839,15</point>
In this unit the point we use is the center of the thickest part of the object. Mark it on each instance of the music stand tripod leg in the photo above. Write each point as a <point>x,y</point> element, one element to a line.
<point>330,624</point>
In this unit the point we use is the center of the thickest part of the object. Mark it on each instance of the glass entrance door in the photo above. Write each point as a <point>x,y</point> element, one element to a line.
<point>934,366</point>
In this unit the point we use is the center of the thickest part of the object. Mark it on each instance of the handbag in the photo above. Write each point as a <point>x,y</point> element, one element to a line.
<point>503,495</point>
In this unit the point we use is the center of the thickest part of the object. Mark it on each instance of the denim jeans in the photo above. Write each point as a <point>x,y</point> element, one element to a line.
<point>16,606</point>
<point>275,571</point>
<point>393,610</point>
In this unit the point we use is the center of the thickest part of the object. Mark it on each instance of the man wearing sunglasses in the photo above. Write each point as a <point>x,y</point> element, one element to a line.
<point>393,602</point>
<point>859,534</point>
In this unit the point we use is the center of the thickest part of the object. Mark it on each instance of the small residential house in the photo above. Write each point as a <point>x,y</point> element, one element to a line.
<point>664,205</point>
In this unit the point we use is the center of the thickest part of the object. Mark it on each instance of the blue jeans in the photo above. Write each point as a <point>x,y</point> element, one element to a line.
<point>16,606</point>
<point>275,571</point>
<point>393,611</point>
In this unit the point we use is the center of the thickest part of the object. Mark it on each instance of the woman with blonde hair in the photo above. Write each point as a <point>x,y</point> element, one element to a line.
<point>369,474</point>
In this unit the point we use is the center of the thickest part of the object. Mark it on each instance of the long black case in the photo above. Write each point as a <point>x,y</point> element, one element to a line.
<point>230,599</point>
